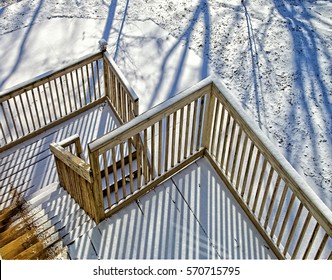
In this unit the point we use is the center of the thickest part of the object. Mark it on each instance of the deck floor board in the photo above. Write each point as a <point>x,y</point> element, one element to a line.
<point>190,216</point>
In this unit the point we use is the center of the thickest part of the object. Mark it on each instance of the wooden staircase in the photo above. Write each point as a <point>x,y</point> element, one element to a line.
<point>41,226</point>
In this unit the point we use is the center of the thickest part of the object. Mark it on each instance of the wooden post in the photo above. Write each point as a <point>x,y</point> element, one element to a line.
<point>96,186</point>
<point>208,116</point>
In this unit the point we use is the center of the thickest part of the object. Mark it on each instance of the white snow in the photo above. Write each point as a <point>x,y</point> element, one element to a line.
<point>274,56</point>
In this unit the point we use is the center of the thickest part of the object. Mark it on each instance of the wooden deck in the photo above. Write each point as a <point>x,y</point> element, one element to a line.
<point>190,216</point>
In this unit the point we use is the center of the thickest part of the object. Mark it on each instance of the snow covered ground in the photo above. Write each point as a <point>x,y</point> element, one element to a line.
<point>275,56</point>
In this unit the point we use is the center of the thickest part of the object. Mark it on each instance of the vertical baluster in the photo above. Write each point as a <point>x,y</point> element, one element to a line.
<point>321,247</point>
<point>63,95</point>
<point>138,151</point>
<point>311,241</point>
<point>221,126</point>
<point>78,88</point>
<point>173,139</point>
<point>243,153</point>
<point>145,157</point>
<point>93,81</point>
<point>160,146</point>
<point>253,176</point>
<point>41,105</point>
<point>30,110</point>
<point>73,90</point>
<point>281,203</point>
<point>230,146</point>
<point>274,194</point>
<point>58,97</point>
<point>225,140</point>
<point>152,152</point>
<point>214,130</point>
<point>83,85</point>
<point>200,122</point>
<point>267,187</point>
<point>123,173</point>
<point>3,133</point>
<point>116,187</point>
<point>284,223</point>
<point>301,236</point>
<point>12,117</point>
<point>68,93</point>
<point>166,144</point>
<point>180,135</point>
<point>52,99</point>
<point>47,103</point>
<point>260,182</point>
<point>292,231</point>
<point>24,113</point>
<point>18,115</point>
<point>187,131</point>
<point>98,75</point>
<point>237,147</point>
<point>246,173</point>
<point>89,83</point>
<point>131,175</point>
<point>193,129</point>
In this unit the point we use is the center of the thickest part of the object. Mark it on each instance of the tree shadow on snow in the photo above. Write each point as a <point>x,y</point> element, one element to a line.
<point>22,44</point>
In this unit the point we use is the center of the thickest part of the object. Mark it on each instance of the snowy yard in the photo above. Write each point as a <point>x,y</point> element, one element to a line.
<point>275,56</point>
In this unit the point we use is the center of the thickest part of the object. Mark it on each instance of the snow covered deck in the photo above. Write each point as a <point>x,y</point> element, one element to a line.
<point>190,216</point>
<point>162,184</point>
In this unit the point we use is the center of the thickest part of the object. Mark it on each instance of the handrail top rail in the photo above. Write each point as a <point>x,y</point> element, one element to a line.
<point>48,74</point>
<point>306,194</point>
<point>121,77</point>
<point>113,137</point>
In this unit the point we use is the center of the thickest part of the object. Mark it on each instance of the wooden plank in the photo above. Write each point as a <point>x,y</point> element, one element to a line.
<point>243,153</point>
<point>181,136</point>
<point>311,241</point>
<point>292,230</point>
<point>153,153</point>
<point>285,220</point>
<point>253,176</point>
<point>160,145</point>
<point>246,173</point>
<point>167,144</point>
<point>259,187</point>
<point>124,193</point>
<point>199,136</point>
<point>274,195</point>
<point>107,180</point>
<point>173,139</point>
<point>281,203</point>
<point>116,187</point>
<point>72,161</point>
<point>193,127</point>
<point>237,150</point>
<point>267,187</point>
<point>130,156</point>
<point>322,246</point>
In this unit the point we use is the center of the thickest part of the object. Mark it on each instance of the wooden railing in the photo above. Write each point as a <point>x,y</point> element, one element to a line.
<point>32,107</point>
<point>75,175</point>
<point>121,96</point>
<point>206,120</point>
<point>47,100</point>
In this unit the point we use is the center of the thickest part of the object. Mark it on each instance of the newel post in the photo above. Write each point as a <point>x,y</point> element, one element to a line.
<point>208,116</point>
<point>103,49</point>
<point>97,187</point>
